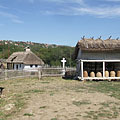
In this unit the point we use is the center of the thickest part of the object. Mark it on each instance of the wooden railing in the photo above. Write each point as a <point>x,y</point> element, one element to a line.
<point>42,72</point>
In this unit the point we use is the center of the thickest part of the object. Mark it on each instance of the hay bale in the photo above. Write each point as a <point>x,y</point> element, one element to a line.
<point>112,74</point>
<point>106,73</point>
<point>99,74</point>
<point>118,73</point>
<point>92,74</point>
<point>85,74</point>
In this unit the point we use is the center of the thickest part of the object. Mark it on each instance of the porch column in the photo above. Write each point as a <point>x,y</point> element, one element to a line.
<point>103,69</point>
<point>82,70</point>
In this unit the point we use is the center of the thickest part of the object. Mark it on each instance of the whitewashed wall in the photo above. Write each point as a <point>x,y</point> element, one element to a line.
<point>22,66</point>
<point>29,67</point>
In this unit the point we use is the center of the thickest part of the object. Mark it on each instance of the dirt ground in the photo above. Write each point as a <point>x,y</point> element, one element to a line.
<point>58,99</point>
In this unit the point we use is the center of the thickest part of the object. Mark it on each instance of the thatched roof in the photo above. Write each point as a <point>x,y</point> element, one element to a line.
<point>26,57</point>
<point>3,60</point>
<point>97,45</point>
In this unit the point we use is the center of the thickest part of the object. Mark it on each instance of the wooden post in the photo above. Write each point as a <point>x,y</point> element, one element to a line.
<point>39,73</point>
<point>5,74</point>
<point>82,70</point>
<point>103,69</point>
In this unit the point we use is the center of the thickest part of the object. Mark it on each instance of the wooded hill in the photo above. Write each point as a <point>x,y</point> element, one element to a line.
<point>51,54</point>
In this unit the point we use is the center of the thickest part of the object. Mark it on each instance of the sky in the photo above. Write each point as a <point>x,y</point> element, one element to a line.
<point>61,22</point>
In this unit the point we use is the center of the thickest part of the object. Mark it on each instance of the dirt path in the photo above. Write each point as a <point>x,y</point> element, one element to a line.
<point>67,100</point>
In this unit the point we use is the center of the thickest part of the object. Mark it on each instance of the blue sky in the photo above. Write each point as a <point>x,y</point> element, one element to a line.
<point>61,22</point>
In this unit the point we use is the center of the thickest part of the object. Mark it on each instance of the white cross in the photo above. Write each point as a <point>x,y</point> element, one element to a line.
<point>63,61</point>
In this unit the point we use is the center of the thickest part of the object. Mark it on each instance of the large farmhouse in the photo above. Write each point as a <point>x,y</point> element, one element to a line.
<point>98,59</point>
<point>24,60</point>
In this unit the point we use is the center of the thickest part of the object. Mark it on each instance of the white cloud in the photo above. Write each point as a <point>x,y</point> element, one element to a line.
<point>12,17</point>
<point>1,6</point>
<point>17,21</point>
<point>9,15</point>
<point>66,1</point>
<point>113,0</point>
<point>100,12</point>
<point>82,8</point>
<point>85,9</point>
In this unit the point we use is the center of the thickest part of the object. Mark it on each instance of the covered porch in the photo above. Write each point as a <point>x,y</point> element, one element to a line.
<point>101,67</point>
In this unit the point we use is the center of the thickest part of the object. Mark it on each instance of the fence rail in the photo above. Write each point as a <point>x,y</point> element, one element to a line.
<point>43,72</point>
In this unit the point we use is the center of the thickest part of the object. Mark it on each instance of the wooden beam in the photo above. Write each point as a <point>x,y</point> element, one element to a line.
<point>81,70</point>
<point>100,60</point>
<point>103,69</point>
<point>100,78</point>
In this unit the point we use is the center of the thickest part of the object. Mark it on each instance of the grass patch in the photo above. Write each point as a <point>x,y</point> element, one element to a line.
<point>51,94</point>
<point>45,82</point>
<point>105,104</point>
<point>102,113</point>
<point>2,115</point>
<point>79,103</point>
<point>110,88</point>
<point>28,114</point>
<point>79,90</point>
<point>19,101</point>
<point>54,119</point>
<point>35,91</point>
<point>3,102</point>
<point>42,107</point>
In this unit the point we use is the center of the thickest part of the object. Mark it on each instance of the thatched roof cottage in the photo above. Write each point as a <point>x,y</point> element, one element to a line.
<point>24,60</point>
<point>97,56</point>
<point>3,64</point>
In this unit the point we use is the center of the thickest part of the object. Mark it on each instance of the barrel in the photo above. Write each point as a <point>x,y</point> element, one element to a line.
<point>118,73</point>
<point>92,74</point>
<point>85,74</point>
<point>99,74</point>
<point>112,74</point>
<point>106,73</point>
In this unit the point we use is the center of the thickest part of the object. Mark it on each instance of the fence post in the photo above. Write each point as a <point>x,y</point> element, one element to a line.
<point>39,73</point>
<point>5,74</point>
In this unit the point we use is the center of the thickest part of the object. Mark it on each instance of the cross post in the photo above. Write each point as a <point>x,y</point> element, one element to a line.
<point>63,61</point>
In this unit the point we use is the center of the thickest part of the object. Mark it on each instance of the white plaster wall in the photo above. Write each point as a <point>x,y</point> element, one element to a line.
<point>29,67</point>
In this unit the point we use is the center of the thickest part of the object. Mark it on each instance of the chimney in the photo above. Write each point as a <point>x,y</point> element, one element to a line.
<point>27,49</point>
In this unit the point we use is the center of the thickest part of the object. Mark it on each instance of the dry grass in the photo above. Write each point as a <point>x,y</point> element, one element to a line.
<point>58,99</point>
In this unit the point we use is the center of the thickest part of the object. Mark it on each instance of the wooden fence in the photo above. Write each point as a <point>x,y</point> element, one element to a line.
<point>43,72</point>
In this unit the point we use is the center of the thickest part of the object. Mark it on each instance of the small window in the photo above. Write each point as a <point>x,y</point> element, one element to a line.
<point>20,65</point>
<point>31,65</point>
<point>36,65</point>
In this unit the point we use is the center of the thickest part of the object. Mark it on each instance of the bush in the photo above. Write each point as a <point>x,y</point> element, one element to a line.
<point>70,74</point>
